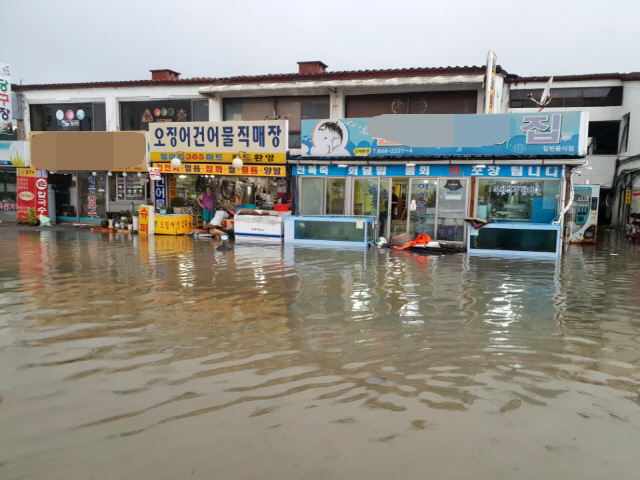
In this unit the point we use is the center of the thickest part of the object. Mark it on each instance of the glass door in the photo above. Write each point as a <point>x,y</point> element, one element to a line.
<point>311,196</point>
<point>422,217</point>
<point>398,206</point>
<point>452,202</point>
<point>336,194</point>
<point>92,193</point>
<point>365,196</point>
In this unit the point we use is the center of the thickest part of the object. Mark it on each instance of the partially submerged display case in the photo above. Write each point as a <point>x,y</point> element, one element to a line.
<point>331,231</point>
<point>541,240</point>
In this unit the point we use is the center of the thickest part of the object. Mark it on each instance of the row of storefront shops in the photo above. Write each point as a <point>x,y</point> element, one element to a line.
<point>343,171</point>
<point>432,199</point>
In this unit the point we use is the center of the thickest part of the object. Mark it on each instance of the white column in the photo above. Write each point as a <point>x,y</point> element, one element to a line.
<point>111,108</point>
<point>215,109</point>
<point>336,101</point>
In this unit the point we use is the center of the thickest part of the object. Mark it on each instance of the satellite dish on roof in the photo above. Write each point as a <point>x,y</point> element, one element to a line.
<point>545,99</point>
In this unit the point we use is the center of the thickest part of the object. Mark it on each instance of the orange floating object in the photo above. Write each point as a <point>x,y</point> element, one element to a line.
<point>422,239</point>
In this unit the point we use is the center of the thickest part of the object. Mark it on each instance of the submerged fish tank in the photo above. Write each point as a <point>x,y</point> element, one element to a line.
<point>332,231</point>
<point>523,239</point>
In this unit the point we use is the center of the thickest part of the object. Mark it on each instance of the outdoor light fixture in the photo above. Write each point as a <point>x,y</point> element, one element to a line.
<point>110,174</point>
<point>139,174</point>
<point>94,174</point>
<point>237,162</point>
<point>182,176</point>
<point>411,164</point>
<point>124,174</point>
<point>342,165</point>
<point>176,163</point>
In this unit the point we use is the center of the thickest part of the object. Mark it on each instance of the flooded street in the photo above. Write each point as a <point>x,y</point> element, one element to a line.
<point>128,358</point>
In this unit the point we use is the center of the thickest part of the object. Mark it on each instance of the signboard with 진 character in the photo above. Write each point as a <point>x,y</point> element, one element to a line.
<point>544,134</point>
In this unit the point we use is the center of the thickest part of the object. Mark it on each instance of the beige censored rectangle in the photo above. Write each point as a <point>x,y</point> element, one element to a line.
<point>88,151</point>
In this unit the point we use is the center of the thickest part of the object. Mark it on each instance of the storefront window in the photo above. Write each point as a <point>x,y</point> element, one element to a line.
<point>138,115</point>
<point>92,195</point>
<point>8,209</point>
<point>68,117</point>
<point>365,196</point>
<point>336,188</point>
<point>452,202</point>
<point>422,218</point>
<point>294,109</point>
<point>311,193</point>
<point>502,200</point>
<point>130,187</point>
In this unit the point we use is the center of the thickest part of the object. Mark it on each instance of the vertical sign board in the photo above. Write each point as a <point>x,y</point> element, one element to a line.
<point>42,192</point>
<point>490,83</point>
<point>25,188</point>
<point>173,188</point>
<point>627,197</point>
<point>160,193</point>
<point>5,100</point>
<point>146,219</point>
<point>32,190</point>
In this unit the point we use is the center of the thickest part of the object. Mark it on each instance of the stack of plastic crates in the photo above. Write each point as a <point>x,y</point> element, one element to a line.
<point>196,220</point>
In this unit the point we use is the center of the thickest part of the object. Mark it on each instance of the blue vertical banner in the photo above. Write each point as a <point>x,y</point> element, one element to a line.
<point>160,192</point>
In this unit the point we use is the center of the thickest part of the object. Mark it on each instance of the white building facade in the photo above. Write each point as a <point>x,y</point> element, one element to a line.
<point>614,152</point>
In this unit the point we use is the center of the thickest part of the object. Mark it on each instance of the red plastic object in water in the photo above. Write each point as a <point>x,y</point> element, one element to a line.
<point>420,240</point>
<point>281,207</point>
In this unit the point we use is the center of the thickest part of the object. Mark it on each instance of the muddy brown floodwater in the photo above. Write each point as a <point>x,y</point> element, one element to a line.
<point>121,359</point>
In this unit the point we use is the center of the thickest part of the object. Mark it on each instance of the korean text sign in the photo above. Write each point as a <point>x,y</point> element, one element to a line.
<point>262,142</point>
<point>146,219</point>
<point>549,134</point>
<point>200,169</point>
<point>5,100</point>
<point>480,170</point>
<point>32,190</point>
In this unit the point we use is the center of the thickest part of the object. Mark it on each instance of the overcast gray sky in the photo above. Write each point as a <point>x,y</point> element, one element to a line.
<point>91,40</point>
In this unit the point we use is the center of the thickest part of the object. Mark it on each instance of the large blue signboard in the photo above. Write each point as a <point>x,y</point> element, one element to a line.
<point>542,134</point>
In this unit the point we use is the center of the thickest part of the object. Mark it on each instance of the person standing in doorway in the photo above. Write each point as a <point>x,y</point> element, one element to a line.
<point>394,205</point>
<point>208,203</point>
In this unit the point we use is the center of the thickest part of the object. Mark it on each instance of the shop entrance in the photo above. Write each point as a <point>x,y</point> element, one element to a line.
<point>397,206</point>
<point>431,206</point>
<point>438,208</point>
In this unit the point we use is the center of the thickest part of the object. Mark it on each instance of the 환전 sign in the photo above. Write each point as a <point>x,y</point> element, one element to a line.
<point>200,169</point>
